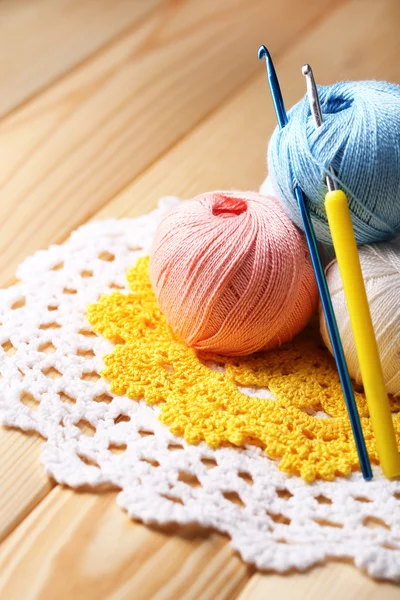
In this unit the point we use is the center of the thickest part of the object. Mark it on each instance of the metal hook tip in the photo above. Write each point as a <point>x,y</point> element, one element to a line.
<point>306,69</point>
<point>262,51</point>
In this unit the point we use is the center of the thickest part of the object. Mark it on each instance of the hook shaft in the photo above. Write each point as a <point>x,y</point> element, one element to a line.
<point>274,87</point>
<point>316,112</point>
<point>313,97</point>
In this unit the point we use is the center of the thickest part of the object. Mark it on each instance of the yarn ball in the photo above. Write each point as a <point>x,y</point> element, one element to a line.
<point>381,269</point>
<point>232,274</point>
<point>360,138</point>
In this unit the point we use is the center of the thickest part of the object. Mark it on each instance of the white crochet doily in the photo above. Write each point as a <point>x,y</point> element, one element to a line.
<point>49,365</point>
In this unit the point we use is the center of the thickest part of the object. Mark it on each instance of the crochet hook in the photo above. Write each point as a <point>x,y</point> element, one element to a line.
<point>321,281</point>
<point>344,242</point>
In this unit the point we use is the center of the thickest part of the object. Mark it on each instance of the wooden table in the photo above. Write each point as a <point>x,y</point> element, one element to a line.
<point>105,106</point>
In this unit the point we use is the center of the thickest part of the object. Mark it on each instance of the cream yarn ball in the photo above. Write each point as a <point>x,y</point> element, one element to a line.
<point>381,269</point>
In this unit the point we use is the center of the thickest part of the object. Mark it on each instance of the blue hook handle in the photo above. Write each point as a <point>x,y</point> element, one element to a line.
<point>321,282</point>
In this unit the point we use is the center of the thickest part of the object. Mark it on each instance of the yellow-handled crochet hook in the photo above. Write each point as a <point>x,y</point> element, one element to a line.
<point>345,245</point>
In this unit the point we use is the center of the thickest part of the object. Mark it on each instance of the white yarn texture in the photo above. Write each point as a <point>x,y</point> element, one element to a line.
<point>380,264</point>
<point>280,522</point>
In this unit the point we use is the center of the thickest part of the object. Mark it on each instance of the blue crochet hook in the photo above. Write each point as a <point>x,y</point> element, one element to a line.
<point>321,282</point>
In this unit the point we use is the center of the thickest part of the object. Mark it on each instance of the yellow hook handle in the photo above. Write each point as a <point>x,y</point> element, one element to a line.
<point>344,242</point>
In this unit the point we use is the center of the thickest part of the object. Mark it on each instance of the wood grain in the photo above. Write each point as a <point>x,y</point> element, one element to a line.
<point>225,151</point>
<point>233,140</point>
<point>90,549</point>
<point>66,153</point>
<point>20,454</point>
<point>330,582</point>
<point>40,40</point>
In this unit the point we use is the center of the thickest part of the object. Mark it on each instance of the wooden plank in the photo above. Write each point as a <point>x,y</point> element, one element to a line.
<point>228,151</point>
<point>40,40</point>
<point>66,153</point>
<point>233,142</point>
<point>90,549</point>
<point>336,580</point>
<point>20,455</point>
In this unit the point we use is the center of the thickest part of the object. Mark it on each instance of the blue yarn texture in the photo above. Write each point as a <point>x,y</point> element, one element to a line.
<point>360,138</point>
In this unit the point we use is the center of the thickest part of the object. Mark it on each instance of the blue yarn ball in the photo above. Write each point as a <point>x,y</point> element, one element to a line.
<point>360,138</point>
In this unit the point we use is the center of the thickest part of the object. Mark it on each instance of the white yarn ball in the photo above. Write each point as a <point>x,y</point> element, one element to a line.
<point>381,270</point>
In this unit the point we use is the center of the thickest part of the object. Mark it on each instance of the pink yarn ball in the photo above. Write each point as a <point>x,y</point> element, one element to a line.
<point>232,274</point>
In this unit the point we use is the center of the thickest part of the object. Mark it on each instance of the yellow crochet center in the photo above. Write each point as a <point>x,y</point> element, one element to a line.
<point>305,424</point>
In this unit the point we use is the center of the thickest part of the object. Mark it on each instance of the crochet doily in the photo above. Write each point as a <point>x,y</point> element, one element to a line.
<point>203,396</point>
<point>50,383</point>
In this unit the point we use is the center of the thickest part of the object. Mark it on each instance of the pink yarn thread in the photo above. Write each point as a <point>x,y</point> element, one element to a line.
<point>232,273</point>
